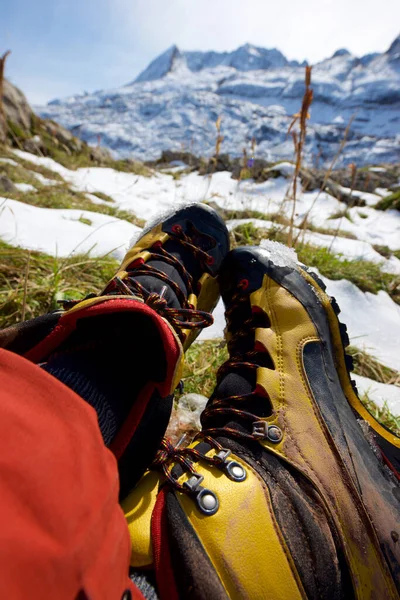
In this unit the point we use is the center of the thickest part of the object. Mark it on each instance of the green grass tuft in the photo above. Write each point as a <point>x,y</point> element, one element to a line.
<point>382,414</point>
<point>48,280</point>
<point>389,202</point>
<point>201,364</point>
<point>368,366</point>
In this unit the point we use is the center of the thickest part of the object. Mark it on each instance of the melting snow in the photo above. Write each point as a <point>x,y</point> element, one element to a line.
<point>373,320</point>
<point>60,233</point>
<point>25,187</point>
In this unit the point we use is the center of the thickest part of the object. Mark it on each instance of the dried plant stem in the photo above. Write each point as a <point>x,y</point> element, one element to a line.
<point>328,173</point>
<point>299,145</point>
<point>26,277</point>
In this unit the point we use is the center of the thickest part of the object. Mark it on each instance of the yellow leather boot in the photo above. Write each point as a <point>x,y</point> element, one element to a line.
<point>281,495</point>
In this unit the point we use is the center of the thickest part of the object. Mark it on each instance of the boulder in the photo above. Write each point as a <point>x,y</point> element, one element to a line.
<point>62,135</point>
<point>34,145</point>
<point>16,107</point>
<point>100,154</point>
<point>7,186</point>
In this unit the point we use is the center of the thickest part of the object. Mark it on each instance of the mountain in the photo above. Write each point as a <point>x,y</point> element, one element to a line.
<point>175,101</point>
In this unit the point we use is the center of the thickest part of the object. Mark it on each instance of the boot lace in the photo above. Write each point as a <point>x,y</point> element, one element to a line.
<point>184,318</point>
<point>240,359</point>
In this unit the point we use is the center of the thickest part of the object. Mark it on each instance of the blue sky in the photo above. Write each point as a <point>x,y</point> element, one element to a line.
<point>62,47</point>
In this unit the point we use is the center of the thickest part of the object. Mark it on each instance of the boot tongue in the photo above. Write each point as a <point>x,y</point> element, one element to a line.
<point>240,382</point>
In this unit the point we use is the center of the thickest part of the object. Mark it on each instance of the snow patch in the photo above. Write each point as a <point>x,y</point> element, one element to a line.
<point>59,232</point>
<point>25,187</point>
<point>380,393</point>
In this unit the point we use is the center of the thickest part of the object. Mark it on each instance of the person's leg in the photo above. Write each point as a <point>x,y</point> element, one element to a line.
<point>63,534</point>
<point>122,350</point>
<point>281,495</point>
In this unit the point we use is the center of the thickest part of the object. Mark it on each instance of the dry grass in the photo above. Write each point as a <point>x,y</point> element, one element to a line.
<point>299,142</point>
<point>368,366</point>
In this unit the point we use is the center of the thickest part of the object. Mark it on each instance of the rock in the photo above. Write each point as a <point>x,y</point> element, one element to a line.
<point>100,154</point>
<point>169,156</point>
<point>7,186</point>
<point>34,145</point>
<point>63,136</point>
<point>16,107</point>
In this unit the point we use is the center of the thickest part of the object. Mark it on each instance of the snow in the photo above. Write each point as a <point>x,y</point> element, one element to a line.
<point>60,233</point>
<point>373,320</point>
<point>345,248</point>
<point>42,161</point>
<point>9,161</point>
<point>25,187</point>
<point>380,393</point>
<point>44,180</point>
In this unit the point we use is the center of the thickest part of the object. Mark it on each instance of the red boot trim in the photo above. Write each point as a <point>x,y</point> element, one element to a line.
<point>391,467</point>
<point>161,551</point>
<point>171,348</point>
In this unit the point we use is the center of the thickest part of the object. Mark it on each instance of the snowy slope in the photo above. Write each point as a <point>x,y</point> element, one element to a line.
<point>175,102</point>
<point>374,326</point>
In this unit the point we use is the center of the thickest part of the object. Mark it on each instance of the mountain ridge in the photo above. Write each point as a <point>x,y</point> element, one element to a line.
<point>176,100</point>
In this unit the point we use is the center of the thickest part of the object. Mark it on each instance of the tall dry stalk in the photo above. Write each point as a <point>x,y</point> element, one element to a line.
<point>26,277</point>
<point>303,225</point>
<point>219,139</point>
<point>299,142</point>
<point>213,161</point>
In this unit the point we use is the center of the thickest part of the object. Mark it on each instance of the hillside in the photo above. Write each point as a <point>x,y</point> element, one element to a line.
<point>175,102</point>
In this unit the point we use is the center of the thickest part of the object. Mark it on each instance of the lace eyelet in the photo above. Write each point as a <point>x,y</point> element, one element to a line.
<point>243,284</point>
<point>176,229</point>
<point>210,260</point>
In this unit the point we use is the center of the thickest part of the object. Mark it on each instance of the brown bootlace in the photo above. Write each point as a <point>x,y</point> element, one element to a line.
<point>168,455</point>
<point>186,317</point>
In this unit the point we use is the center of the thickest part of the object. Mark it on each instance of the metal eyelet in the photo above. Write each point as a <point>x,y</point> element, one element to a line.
<point>235,471</point>
<point>207,502</point>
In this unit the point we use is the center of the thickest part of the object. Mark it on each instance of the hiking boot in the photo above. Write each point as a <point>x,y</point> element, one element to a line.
<point>280,495</point>
<point>122,350</point>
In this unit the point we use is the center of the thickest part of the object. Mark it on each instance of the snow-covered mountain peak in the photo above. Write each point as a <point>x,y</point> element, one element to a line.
<point>394,50</point>
<point>245,58</point>
<point>175,101</point>
<point>341,52</point>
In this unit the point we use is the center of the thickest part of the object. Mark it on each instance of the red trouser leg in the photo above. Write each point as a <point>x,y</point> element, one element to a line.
<point>62,532</point>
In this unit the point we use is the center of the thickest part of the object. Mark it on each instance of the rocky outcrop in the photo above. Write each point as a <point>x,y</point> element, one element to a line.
<point>16,107</point>
<point>24,129</point>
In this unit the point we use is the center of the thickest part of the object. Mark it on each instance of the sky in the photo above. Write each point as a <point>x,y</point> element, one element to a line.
<point>64,47</point>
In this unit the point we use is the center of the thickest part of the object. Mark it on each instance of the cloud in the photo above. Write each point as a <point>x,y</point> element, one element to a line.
<point>63,47</point>
<point>312,30</point>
